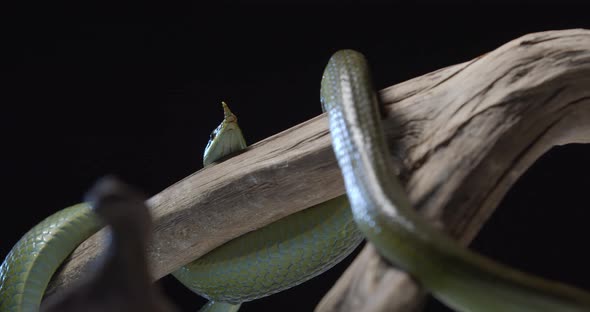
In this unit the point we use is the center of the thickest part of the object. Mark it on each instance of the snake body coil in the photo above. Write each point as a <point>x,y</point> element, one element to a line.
<point>260,263</point>
<point>462,279</point>
<point>28,267</point>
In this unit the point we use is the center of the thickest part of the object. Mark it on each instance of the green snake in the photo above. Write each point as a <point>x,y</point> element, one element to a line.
<point>301,246</point>
<point>279,256</point>
<point>462,279</point>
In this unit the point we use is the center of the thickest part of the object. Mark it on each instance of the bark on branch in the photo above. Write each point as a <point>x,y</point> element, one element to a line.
<point>461,135</point>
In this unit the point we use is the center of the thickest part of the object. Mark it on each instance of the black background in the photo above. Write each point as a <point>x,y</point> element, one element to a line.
<point>135,89</point>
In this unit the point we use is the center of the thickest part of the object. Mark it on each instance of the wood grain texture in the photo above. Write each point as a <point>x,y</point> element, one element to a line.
<point>464,134</point>
<point>461,137</point>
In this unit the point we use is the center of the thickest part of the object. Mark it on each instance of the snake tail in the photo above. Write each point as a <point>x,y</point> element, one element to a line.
<point>458,277</point>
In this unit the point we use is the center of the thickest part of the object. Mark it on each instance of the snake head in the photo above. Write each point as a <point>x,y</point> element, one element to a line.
<point>226,139</point>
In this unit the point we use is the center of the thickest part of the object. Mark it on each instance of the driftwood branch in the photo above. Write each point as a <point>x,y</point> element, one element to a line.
<point>464,135</point>
<point>461,135</point>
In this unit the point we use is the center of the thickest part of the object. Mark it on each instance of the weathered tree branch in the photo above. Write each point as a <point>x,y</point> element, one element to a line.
<point>462,135</point>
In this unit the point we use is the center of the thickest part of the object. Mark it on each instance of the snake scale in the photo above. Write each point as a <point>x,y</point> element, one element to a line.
<point>296,248</point>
